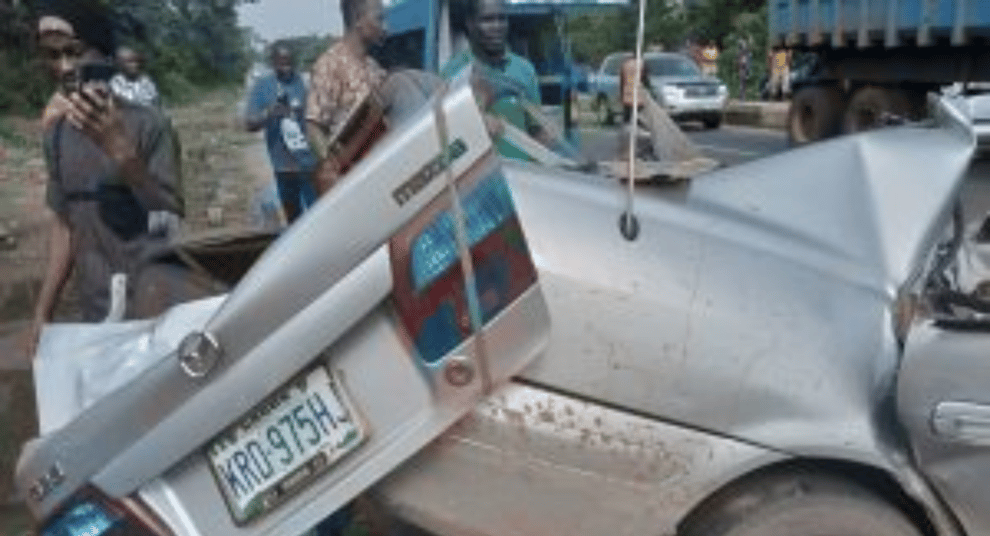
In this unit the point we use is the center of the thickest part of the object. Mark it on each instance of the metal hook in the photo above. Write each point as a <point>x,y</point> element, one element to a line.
<point>629,226</point>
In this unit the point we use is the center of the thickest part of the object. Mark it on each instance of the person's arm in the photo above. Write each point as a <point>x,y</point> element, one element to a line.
<point>56,274</point>
<point>532,89</point>
<point>319,141</point>
<point>321,103</point>
<point>327,168</point>
<point>98,116</point>
<point>259,112</point>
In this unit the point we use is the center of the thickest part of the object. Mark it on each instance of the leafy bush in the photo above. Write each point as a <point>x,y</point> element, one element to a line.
<point>597,35</point>
<point>23,85</point>
<point>24,88</point>
<point>9,136</point>
<point>753,27</point>
<point>176,89</point>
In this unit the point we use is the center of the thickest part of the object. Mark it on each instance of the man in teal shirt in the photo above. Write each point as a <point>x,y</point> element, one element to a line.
<point>487,29</point>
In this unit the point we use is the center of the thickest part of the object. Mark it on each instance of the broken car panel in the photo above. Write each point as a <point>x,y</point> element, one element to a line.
<point>763,325</point>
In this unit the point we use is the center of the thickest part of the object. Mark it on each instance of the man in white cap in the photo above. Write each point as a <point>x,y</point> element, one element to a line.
<point>110,165</point>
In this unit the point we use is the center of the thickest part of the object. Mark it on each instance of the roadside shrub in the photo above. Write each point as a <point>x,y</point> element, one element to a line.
<point>176,88</point>
<point>9,136</point>
<point>753,27</point>
<point>24,88</point>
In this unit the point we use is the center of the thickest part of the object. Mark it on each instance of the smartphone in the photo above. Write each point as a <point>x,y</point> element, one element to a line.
<point>96,72</point>
<point>93,72</point>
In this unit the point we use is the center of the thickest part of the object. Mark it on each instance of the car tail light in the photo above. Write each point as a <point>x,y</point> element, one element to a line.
<point>90,513</point>
<point>428,287</point>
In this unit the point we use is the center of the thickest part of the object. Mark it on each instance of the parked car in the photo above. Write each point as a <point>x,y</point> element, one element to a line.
<point>781,348</point>
<point>677,83</point>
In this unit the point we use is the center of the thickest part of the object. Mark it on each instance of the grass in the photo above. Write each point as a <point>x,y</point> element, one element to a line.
<point>10,136</point>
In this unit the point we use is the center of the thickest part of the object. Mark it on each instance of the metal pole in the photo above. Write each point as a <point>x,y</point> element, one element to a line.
<point>634,124</point>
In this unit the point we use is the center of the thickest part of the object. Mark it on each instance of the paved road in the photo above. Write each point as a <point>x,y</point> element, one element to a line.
<point>735,145</point>
<point>730,144</point>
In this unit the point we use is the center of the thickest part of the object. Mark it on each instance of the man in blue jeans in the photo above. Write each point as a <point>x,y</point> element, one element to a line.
<point>277,104</point>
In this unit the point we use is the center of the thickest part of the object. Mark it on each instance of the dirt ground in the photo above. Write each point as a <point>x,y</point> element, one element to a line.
<point>224,170</point>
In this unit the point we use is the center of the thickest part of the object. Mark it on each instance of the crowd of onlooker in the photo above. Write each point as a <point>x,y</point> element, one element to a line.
<point>114,165</point>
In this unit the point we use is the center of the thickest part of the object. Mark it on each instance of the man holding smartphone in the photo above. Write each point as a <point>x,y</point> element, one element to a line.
<point>277,104</point>
<point>110,164</point>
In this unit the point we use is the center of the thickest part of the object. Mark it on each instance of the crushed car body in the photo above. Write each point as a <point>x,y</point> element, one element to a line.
<point>504,361</point>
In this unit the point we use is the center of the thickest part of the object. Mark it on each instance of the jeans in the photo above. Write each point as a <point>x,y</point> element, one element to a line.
<point>296,191</point>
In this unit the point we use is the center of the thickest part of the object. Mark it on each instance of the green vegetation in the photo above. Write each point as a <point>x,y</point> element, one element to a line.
<point>308,48</point>
<point>23,87</point>
<point>751,26</point>
<point>671,25</point>
<point>597,35</point>
<point>9,135</point>
<point>187,43</point>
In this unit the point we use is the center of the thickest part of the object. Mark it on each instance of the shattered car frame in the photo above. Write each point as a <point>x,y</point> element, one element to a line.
<point>773,350</point>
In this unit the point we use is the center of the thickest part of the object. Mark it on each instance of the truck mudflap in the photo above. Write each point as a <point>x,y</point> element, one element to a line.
<point>369,327</point>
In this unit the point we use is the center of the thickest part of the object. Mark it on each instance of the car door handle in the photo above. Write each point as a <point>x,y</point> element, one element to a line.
<point>963,422</point>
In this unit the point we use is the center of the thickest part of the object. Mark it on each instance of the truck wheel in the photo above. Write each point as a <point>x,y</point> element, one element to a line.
<point>603,111</point>
<point>799,505</point>
<point>815,114</point>
<point>870,104</point>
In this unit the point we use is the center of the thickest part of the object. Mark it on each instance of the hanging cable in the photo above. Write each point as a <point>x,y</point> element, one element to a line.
<point>463,242</point>
<point>628,223</point>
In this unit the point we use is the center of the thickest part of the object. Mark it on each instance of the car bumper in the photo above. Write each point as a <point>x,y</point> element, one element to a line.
<point>695,108</point>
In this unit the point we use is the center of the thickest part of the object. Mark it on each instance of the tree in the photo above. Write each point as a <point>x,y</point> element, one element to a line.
<point>199,39</point>
<point>308,48</point>
<point>23,87</point>
<point>185,41</point>
<point>715,20</point>
<point>752,27</point>
<point>596,35</point>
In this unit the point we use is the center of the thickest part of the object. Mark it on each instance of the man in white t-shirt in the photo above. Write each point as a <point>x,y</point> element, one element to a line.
<point>130,83</point>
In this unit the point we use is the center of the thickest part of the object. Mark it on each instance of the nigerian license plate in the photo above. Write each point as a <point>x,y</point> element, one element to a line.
<point>283,445</point>
<point>701,91</point>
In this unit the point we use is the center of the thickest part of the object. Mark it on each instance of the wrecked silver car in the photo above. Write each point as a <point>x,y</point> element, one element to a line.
<point>783,345</point>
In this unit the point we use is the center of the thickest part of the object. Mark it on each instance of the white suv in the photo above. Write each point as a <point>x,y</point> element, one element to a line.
<point>677,84</point>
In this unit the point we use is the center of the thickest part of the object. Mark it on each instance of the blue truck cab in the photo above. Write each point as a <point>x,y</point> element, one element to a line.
<point>876,59</point>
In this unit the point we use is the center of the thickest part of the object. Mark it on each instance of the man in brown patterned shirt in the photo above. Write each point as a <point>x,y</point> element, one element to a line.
<point>343,77</point>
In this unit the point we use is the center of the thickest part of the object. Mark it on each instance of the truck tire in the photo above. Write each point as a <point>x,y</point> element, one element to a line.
<point>869,105</point>
<point>815,114</point>
<point>799,505</point>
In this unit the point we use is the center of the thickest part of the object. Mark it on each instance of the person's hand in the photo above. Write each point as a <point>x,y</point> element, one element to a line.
<point>29,339</point>
<point>493,124</point>
<point>93,112</point>
<point>326,175</point>
<point>279,110</point>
